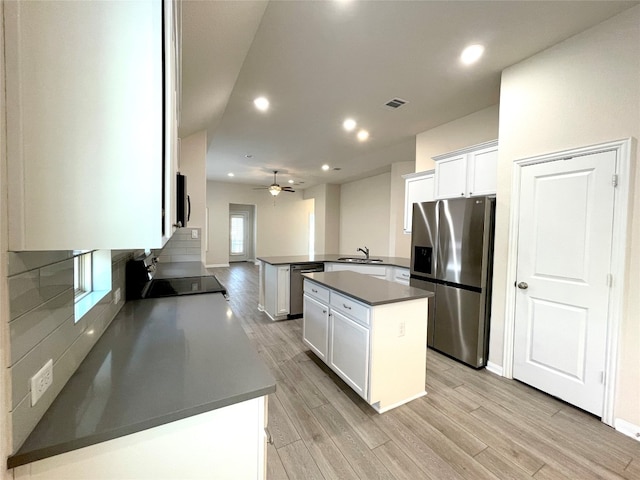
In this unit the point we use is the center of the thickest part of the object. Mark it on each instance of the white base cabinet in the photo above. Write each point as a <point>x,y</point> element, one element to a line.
<point>316,326</point>
<point>379,351</point>
<point>469,172</point>
<point>384,272</point>
<point>277,291</point>
<point>225,444</point>
<point>349,355</point>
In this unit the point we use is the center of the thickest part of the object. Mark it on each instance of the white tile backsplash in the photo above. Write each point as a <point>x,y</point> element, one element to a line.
<point>181,247</point>
<point>42,327</point>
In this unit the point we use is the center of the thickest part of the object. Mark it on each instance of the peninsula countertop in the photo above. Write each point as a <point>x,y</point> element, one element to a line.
<point>288,259</point>
<point>159,361</point>
<point>367,289</point>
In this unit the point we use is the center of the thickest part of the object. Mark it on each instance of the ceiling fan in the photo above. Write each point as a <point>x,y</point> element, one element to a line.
<point>274,188</point>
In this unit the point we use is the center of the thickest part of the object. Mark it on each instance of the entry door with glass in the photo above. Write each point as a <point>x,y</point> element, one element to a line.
<point>238,237</point>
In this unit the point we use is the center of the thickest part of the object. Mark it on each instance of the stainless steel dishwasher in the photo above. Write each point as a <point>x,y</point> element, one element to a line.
<point>296,281</point>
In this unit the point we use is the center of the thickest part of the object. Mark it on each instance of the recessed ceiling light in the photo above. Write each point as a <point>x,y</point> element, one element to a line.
<point>471,54</point>
<point>363,135</point>
<point>261,104</point>
<point>230,174</point>
<point>325,167</point>
<point>349,124</point>
<point>290,181</point>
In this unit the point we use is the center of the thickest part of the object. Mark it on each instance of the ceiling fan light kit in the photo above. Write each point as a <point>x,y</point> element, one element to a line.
<point>274,189</point>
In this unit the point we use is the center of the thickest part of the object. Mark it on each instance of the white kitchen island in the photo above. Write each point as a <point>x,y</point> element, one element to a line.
<point>369,331</point>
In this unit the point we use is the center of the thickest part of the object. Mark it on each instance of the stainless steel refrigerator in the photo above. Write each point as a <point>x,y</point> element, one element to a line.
<point>452,256</point>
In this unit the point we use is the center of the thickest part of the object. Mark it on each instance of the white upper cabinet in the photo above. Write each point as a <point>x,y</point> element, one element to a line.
<point>418,187</point>
<point>468,172</point>
<point>91,124</point>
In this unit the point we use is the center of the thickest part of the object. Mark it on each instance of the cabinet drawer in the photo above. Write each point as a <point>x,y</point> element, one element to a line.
<point>315,290</point>
<point>402,274</point>
<point>348,306</point>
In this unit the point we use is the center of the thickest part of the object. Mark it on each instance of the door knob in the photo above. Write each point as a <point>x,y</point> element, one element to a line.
<point>523,285</point>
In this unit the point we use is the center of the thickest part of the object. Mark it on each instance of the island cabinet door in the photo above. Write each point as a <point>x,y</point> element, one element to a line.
<point>349,352</point>
<point>315,326</point>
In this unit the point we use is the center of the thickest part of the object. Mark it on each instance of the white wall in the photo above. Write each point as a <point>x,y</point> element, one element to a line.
<point>479,127</point>
<point>580,92</point>
<point>193,151</point>
<point>5,429</point>
<point>399,242</point>
<point>281,229</point>
<point>327,217</point>
<point>364,215</point>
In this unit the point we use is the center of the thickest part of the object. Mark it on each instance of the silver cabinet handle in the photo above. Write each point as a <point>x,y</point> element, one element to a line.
<point>346,306</point>
<point>324,311</point>
<point>314,290</point>
<point>523,285</point>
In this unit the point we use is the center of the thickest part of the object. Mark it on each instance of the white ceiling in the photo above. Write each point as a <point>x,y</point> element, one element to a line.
<point>321,61</point>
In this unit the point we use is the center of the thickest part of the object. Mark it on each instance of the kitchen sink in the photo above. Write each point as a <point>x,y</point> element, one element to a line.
<point>360,260</point>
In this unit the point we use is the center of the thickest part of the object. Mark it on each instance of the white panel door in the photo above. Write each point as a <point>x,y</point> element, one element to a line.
<point>451,177</point>
<point>349,352</point>
<point>283,292</point>
<point>483,172</point>
<point>315,326</point>
<point>564,250</point>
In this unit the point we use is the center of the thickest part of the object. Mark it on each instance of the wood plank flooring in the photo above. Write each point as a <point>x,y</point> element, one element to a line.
<point>471,424</point>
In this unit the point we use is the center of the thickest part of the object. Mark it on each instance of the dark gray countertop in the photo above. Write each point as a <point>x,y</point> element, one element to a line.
<point>367,289</point>
<point>180,270</point>
<point>160,360</point>
<point>288,259</point>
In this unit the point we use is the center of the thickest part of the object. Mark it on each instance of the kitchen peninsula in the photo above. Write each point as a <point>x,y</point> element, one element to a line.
<point>276,285</point>
<point>173,389</point>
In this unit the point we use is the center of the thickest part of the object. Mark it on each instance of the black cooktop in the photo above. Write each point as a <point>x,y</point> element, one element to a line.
<point>171,287</point>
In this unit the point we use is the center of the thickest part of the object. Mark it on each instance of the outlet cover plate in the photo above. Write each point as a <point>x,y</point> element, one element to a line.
<point>41,381</point>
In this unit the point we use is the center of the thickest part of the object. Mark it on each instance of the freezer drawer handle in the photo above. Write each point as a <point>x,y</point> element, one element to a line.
<point>523,285</point>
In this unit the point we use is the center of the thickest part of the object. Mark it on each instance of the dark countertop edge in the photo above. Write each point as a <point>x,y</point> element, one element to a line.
<point>374,303</point>
<point>20,459</point>
<point>333,258</point>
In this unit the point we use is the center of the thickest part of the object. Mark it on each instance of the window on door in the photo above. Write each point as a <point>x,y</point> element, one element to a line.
<point>237,231</point>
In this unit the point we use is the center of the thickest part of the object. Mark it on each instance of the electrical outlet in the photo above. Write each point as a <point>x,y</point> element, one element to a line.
<point>116,296</point>
<point>401,329</point>
<point>194,233</point>
<point>41,381</point>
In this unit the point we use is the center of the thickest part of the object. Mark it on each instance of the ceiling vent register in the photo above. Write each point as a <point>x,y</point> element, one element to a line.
<point>395,103</point>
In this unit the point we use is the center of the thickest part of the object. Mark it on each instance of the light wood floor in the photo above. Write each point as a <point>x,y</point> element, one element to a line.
<point>471,424</point>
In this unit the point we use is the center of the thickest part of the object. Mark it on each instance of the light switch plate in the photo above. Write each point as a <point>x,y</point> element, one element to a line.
<point>194,233</point>
<point>116,296</point>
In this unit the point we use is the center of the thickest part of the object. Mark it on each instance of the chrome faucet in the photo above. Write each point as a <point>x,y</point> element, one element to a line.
<point>364,250</point>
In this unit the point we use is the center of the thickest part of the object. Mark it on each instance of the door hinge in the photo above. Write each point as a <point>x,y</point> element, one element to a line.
<point>609,280</point>
<point>614,180</point>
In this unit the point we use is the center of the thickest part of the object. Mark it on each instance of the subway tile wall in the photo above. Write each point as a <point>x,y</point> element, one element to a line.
<point>41,326</point>
<point>182,247</point>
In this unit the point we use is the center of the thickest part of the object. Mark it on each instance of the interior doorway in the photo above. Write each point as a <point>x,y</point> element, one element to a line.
<point>241,232</point>
<point>562,319</point>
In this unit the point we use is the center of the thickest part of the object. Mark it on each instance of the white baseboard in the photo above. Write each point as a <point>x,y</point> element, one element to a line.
<point>627,428</point>
<point>214,265</point>
<point>494,368</point>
